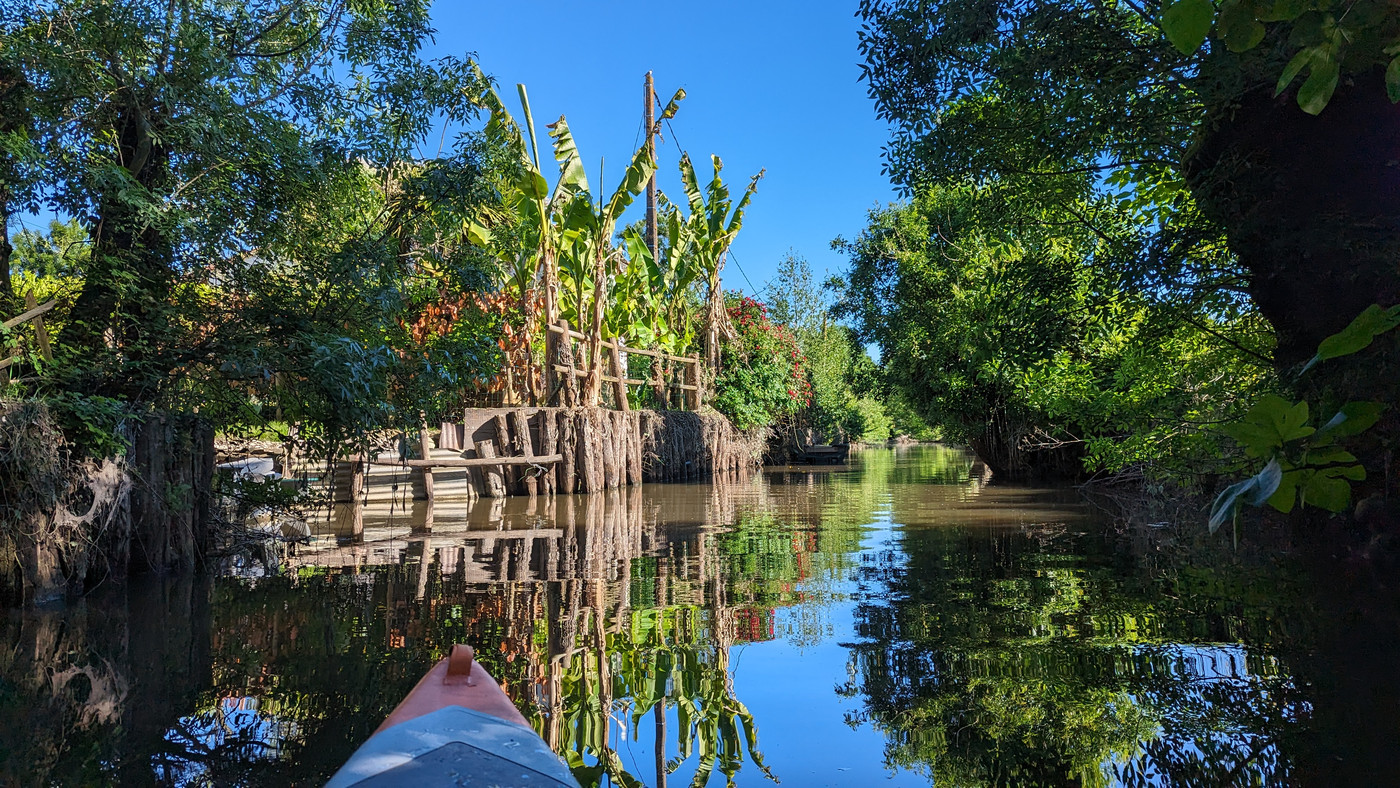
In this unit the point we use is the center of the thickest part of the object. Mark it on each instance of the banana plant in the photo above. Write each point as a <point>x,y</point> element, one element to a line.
<point>530,197</point>
<point>590,229</point>
<point>714,227</point>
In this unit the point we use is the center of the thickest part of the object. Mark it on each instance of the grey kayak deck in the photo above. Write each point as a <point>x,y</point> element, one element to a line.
<point>454,746</point>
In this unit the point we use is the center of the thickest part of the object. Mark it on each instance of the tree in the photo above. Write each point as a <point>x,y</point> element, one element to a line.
<point>184,135</point>
<point>1209,146</point>
<point>1005,325</point>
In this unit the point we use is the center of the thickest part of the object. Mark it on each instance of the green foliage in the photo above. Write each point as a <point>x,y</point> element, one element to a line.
<point>1304,465</point>
<point>841,375</point>
<point>762,375</point>
<point>63,251</point>
<point>990,312</point>
<point>1324,39</point>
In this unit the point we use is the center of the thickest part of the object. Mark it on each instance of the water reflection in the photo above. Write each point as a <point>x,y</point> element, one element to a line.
<point>903,620</point>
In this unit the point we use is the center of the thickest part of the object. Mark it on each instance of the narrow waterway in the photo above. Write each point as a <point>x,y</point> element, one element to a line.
<point>899,621</point>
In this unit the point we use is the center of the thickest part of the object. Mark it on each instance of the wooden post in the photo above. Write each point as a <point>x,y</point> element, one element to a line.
<point>551,357</point>
<point>41,333</point>
<point>692,378</point>
<point>357,507</point>
<point>649,108</point>
<point>495,481</point>
<point>566,344</point>
<point>425,445</point>
<point>568,447</point>
<point>619,387</point>
<point>549,482</point>
<point>634,445</point>
<point>524,447</point>
<point>503,445</point>
<point>585,452</point>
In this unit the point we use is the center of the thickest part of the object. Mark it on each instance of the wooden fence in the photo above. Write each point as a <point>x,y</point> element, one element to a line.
<point>562,372</point>
<point>34,314</point>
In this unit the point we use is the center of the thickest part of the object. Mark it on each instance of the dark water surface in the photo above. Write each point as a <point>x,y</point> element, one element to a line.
<point>897,622</point>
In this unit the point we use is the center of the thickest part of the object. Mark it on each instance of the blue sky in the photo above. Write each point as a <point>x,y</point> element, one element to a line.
<point>770,84</point>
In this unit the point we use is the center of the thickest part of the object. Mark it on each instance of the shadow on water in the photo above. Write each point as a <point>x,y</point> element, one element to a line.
<point>923,625</point>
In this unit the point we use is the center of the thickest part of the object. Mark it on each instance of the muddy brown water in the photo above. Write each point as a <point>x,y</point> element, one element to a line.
<point>899,621</point>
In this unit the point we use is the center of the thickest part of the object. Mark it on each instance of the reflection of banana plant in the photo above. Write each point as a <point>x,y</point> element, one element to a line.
<point>660,660</point>
<point>714,228</point>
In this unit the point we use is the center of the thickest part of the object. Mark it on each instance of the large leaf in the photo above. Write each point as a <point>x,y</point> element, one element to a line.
<point>1326,492</point>
<point>1238,26</point>
<point>634,180</point>
<point>1321,83</point>
<point>1352,419</point>
<point>1358,335</point>
<point>1271,423</point>
<point>1294,68</point>
<point>1187,23</point>
<point>573,179</point>
<point>529,124</point>
<point>669,111</point>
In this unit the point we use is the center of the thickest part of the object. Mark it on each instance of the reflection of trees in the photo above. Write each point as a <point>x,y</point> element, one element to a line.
<point>986,655</point>
<point>83,688</point>
<point>990,659</point>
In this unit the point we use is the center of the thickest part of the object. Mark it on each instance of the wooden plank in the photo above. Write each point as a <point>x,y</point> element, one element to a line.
<point>25,317</point>
<point>476,462</point>
<point>564,330</point>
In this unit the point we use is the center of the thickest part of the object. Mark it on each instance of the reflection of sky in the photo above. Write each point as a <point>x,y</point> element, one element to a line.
<point>810,733</point>
<point>236,730</point>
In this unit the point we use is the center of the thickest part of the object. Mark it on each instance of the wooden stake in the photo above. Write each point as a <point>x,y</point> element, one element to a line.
<point>620,376</point>
<point>41,333</point>
<point>503,445</point>
<point>549,482</point>
<point>495,482</point>
<point>524,447</point>
<point>425,445</point>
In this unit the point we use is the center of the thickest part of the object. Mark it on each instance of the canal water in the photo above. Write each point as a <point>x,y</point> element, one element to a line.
<point>899,621</point>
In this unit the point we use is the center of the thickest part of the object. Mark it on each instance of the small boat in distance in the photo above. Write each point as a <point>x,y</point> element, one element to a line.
<point>456,727</point>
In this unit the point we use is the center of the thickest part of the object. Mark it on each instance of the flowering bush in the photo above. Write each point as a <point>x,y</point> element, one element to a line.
<point>763,372</point>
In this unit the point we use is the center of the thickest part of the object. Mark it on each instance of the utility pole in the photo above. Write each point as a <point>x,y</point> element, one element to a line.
<point>651,151</point>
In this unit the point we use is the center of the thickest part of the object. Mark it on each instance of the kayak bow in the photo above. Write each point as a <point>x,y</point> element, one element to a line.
<point>456,727</point>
